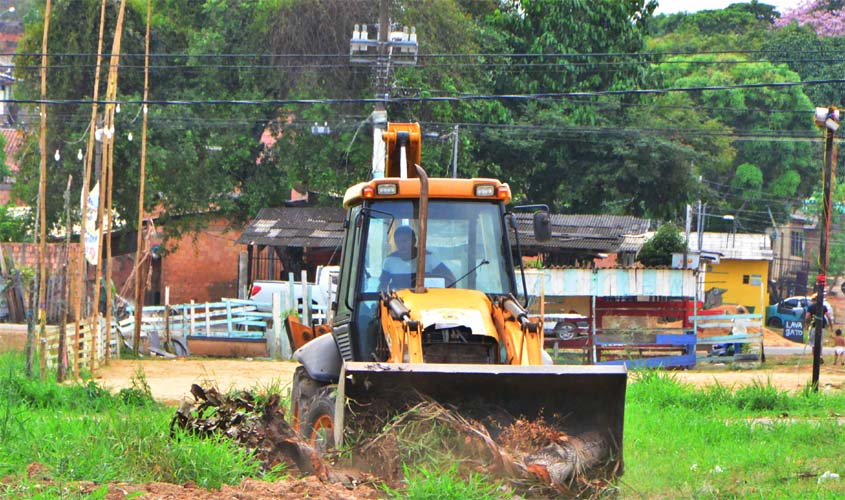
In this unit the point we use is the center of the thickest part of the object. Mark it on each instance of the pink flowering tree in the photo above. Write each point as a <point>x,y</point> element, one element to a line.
<point>825,16</point>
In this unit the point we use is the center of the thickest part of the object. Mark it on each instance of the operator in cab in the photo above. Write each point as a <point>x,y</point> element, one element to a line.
<point>400,267</point>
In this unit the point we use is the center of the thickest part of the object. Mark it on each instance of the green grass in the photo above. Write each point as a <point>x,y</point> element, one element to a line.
<point>688,443</point>
<point>437,484</point>
<point>680,442</point>
<point>83,432</point>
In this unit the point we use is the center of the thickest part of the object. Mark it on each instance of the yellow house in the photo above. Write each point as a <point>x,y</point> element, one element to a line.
<point>737,263</point>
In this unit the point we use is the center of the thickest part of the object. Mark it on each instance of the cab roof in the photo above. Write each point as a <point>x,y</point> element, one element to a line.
<point>438,188</point>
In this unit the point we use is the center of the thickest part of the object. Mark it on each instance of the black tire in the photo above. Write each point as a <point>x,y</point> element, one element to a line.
<point>566,331</point>
<point>319,421</point>
<point>774,321</point>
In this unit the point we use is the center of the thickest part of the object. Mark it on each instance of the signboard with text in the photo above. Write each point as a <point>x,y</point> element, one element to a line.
<point>793,330</point>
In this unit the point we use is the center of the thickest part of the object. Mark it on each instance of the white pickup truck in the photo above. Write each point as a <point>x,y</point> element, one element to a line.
<point>322,292</point>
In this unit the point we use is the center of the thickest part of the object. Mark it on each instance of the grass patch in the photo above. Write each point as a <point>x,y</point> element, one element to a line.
<point>438,484</point>
<point>679,442</point>
<point>83,432</point>
<point>711,443</point>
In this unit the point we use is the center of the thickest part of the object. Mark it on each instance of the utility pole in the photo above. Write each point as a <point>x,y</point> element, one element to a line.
<point>42,208</point>
<point>140,282</point>
<point>86,180</point>
<point>398,47</point>
<point>827,118</point>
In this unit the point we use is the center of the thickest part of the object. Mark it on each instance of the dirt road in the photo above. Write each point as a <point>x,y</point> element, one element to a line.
<point>170,380</point>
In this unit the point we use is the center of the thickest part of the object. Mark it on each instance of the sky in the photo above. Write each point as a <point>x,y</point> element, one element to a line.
<point>673,6</point>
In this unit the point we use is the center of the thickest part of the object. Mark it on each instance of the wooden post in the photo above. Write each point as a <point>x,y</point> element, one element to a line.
<point>139,288</point>
<point>273,345</point>
<point>291,300</point>
<point>62,362</point>
<point>183,321</point>
<point>108,224</point>
<point>207,321</point>
<point>42,207</point>
<point>228,318</point>
<point>193,319</point>
<point>167,315</point>
<point>108,143</point>
<point>89,158</point>
<point>74,290</point>
<point>306,299</point>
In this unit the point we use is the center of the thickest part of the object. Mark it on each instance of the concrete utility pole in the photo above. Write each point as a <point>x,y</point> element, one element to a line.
<point>827,118</point>
<point>388,48</point>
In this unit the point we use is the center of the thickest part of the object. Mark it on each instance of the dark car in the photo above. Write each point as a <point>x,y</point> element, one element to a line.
<point>566,326</point>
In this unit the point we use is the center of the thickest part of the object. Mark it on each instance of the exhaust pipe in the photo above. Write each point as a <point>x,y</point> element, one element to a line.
<point>419,287</point>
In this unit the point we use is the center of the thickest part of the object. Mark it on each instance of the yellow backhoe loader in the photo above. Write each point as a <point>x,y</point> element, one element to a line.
<point>427,304</point>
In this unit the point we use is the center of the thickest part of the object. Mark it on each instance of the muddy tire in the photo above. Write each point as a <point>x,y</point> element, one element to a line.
<point>318,425</point>
<point>303,390</point>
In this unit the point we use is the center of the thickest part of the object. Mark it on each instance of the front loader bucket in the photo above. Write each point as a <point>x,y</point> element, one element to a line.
<point>576,400</point>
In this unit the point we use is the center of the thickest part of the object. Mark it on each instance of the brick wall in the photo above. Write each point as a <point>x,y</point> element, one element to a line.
<point>204,266</point>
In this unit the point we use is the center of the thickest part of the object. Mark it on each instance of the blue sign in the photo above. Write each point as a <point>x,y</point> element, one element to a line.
<point>793,330</point>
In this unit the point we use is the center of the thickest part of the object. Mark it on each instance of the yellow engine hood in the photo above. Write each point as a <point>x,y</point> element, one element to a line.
<point>450,308</point>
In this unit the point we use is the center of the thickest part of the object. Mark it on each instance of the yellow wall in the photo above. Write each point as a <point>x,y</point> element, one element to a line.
<point>729,274</point>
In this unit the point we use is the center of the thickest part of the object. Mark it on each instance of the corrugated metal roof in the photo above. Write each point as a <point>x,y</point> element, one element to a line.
<point>737,246</point>
<point>311,227</point>
<point>590,233</point>
<point>316,227</point>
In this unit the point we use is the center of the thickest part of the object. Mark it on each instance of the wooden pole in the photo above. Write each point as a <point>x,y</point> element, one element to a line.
<point>42,193</point>
<point>139,289</point>
<point>108,287</point>
<point>108,141</point>
<point>74,287</point>
<point>62,364</point>
<point>95,331</point>
<point>81,289</point>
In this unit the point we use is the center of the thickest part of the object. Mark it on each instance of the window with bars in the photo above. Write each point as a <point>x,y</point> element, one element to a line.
<point>796,243</point>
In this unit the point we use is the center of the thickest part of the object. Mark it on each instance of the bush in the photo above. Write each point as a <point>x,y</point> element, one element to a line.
<point>659,249</point>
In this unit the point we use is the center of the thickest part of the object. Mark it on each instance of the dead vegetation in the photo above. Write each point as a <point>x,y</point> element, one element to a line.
<point>532,457</point>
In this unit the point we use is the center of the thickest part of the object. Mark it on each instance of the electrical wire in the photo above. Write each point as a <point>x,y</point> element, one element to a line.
<point>433,99</point>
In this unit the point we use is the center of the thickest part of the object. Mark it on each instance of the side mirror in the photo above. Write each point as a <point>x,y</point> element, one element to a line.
<point>542,226</point>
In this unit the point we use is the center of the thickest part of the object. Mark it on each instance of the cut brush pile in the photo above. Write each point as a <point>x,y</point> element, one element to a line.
<point>533,457</point>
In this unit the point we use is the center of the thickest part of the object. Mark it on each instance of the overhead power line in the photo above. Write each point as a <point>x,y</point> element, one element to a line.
<point>433,99</point>
<point>422,55</point>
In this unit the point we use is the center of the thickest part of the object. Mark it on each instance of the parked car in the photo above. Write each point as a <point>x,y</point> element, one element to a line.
<point>566,326</point>
<point>791,309</point>
<point>322,292</point>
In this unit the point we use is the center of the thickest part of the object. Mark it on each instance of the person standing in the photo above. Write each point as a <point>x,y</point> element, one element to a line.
<point>813,315</point>
<point>838,348</point>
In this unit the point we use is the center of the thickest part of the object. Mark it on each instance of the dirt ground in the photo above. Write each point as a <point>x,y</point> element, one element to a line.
<point>170,380</point>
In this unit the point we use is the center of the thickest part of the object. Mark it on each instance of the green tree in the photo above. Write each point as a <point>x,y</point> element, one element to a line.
<point>659,249</point>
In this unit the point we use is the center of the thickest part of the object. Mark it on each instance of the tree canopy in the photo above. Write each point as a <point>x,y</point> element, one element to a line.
<point>591,107</point>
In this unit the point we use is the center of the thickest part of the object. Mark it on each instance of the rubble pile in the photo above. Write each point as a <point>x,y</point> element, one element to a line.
<point>261,427</point>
